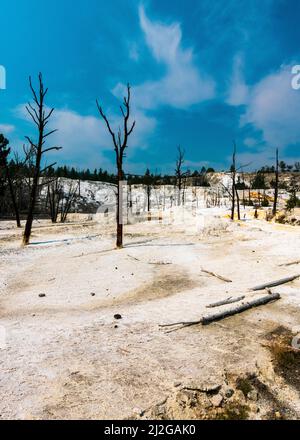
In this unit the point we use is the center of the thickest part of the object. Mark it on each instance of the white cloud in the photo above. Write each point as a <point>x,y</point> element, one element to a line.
<point>84,139</point>
<point>273,107</point>
<point>250,142</point>
<point>6,128</point>
<point>238,90</point>
<point>133,52</point>
<point>183,84</point>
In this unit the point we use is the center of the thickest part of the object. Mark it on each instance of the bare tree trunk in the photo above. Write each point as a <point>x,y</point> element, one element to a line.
<point>179,173</point>
<point>120,143</point>
<point>40,118</point>
<point>149,201</point>
<point>67,200</point>
<point>13,198</point>
<point>119,209</point>
<point>276,184</point>
<point>233,191</point>
<point>238,204</point>
<point>54,197</point>
<point>32,200</point>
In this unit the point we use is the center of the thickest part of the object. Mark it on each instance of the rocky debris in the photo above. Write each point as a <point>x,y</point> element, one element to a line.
<point>228,392</point>
<point>216,400</point>
<point>237,397</point>
<point>253,395</point>
<point>42,295</point>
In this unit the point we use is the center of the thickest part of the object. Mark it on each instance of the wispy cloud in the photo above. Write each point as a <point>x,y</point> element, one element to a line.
<point>273,107</point>
<point>85,138</point>
<point>6,128</point>
<point>238,90</point>
<point>134,52</point>
<point>183,84</point>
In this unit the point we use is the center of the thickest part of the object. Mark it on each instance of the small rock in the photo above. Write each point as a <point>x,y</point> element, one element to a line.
<point>116,326</point>
<point>216,400</point>
<point>253,395</point>
<point>42,295</point>
<point>116,268</point>
<point>229,393</point>
<point>177,384</point>
<point>117,316</point>
<point>93,294</point>
<point>204,386</point>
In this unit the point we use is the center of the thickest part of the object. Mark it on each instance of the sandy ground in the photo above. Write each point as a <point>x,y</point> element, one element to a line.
<point>64,356</point>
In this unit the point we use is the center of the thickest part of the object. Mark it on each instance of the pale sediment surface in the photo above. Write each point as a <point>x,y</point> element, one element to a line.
<point>64,355</point>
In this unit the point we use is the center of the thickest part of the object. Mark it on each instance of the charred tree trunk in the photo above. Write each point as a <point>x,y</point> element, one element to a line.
<point>238,204</point>
<point>149,201</point>
<point>120,208</point>
<point>54,197</point>
<point>37,111</point>
<point>120,143</point>
<point>179,173</point>
<point>233,191</point>
<point>13,198</point>
<point>276,184</point>
<point>67,201</point>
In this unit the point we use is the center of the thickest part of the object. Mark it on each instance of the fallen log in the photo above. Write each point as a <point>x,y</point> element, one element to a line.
<point>275,283</point>
<point>229,300</point>
<point>227,280</point>
<point>241,308</point>
<point>291,263</point>
<point>205,320</point>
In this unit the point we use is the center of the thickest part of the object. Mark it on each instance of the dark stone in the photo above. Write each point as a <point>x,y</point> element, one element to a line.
<point>117,316</point>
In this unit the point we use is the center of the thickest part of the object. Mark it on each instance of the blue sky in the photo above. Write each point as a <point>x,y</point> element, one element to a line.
<point>202,73</point>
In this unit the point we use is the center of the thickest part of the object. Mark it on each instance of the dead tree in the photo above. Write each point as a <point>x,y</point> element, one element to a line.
<point>234,190</point>
<point>234,195</point>
<point>179,174</point>
<point>54,198</point>
<point>4,153</point>
<point>148,181</point>
<point>276,184</point>
<point>13,198</point>
<point>120,143</point>
<point>238,203</point>
<point>67,200</point>
<point>40,116</point>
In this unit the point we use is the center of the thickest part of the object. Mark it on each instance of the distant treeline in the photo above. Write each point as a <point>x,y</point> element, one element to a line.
<point>151,178</point>
<point>101,175</point>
